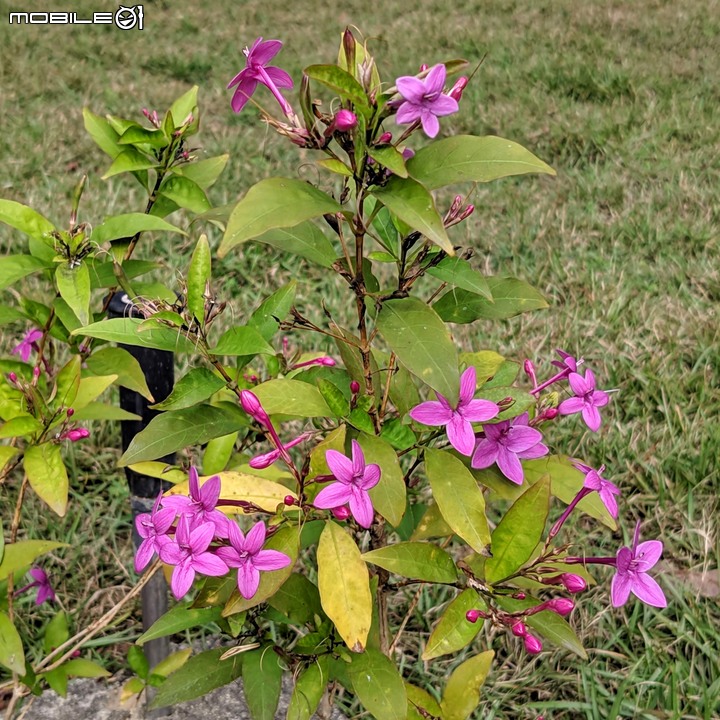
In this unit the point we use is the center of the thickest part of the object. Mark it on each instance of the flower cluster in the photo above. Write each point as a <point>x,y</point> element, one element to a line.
<point>191,534</point>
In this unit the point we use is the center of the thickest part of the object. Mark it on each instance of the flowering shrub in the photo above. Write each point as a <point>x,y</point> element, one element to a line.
<point>329,483</point>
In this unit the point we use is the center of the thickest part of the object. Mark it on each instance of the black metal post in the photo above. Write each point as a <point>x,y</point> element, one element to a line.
<point>158,367</point>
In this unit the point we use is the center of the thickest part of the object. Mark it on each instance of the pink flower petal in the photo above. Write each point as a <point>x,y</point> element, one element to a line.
<point>333,496</point>
<point>430,124</point>
<point>521,438</point>
<point>467,386</point>
<point>279,77</point>
<point>479,410</point>
<point>578,384</point>
<point>646,589</point>
<point>248,579</point>
<point>172,554</point>
<point>509,465</point>
<point>262,52</point>
<point>431,412</point>
<point>209,564</point>
<point>144,554</point>
<point>571,406</point>
<point>242,94</point>
<point>270,560</point>
<point>485,454</point>
<point>591,417</point>
<point>609,501</point>
<point>182,580</point>
<point>411,89</point>
<point>536,451</point>
<point>209,494</point>
<point>444,105</point>
<point>255,538</point>
<point>435,79</point>
<point>358,459</point>
<point>620,589</point>
<point>340,466</point>
<point>600,398</point>
<point>647,554</point>
<point>361,507</point>
<point>407,113</point>
<point>371,477</point>
<point>460,434</point>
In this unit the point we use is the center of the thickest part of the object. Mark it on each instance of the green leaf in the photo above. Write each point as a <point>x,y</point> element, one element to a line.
<point>129,160</point>
<point>414,205</point>
<point>117,361</point>
<point>333,396</point>
<point>84,668</point>
<point>9,315</point>
<point>218,453</point>
<point>422,343</point>
<point>242,340</point>
<point>102,274</point>
<point>74,287</point>
<point>336,166</point>
<point>341,82</point>
<point>453,632</point>
<point>309,689</point>
<point>7,453</point>
<point>16,267</point>
<point>183,106</point>
<point>292,397</point>
<point>432,524</point>
<point>460,273</point>
<point>179,618</point>
<point>510,297</point>
<point>274,203</point>
<point>101,411</point>
<point>195,387</point>
<point>197,279</point>
<point>203,172</point>
<point>416,560</point>
<point>549,625</point>
<point>24,219</point>
<point>138,135</point>
<point>22,554</point>
<point>459,498</point>
<point>350,354</point>
<point>197,677</point>
<point>129,224</point>
<point>126,331</point>
<point>273,310</point>
<point>68,383</point>
<point>421,704</point>
<point>467,158</point>
<point>298,599</point>
<point>389,157</point>
<point>519,532</point>
<point>522,400</point>
<point>171,663</point>
<point>462,692</point>
<point>47,475</point>
<point>102,133</point>
<point>56,632</point>
<point>305,239</point>
<point>262,681</point>
<point>334,440</point>
<point>287,541</point>
<point>178,429</point>
<point>388,496</point>
<point>378,685</point>
<point>12,655</point>
<point>20,426</point>
<point>344,584</point>
<point>186,193</point>
<point>485,362</point>
<point>138,662</point>
<point>91,388</point>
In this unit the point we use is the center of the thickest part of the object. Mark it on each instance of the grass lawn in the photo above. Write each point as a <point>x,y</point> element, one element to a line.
<point>621,99</point>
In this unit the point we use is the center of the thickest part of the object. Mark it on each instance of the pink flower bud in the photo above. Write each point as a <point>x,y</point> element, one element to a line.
<point>519,595</point>
<point>251,405</point>
<point>423,67</point>
<point>341,513</point>
<point>472,615</point>
<point>467,212</point>
<point>505,403</point>
<point>561,606</point>
<point>408,153</point>
<point>532,644</point>
<point>456,92</point>
<point>70,412</point>
<point>12,377</point>
<point>345,120</point>
<point>260,462</point>
<point>289,500</point>
<point>519,629</point>
<point>75,435</point>
<point>36,372</point>
<point>551,413</point>
<point>354,387</point>
<point>385,138</point>
<point>529,369</point>
<point>573,583</point>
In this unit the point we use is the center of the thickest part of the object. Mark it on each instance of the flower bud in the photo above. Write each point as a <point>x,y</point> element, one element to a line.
<point>36,372</point>
<point>75,435</point>
<point>467,212</point>
<point>12,377</point>
<point>532,644</point>
<point>341,513</point>
<point>345,120</point>
<point>456,92</point>
<point>385,138</point>
<point>423,67</point>
<point>551,413</point>
<point>561,606</point>
<point>251,405</point>
<point>529,369</point>
<point>573,583</point>
<point>519,595</point>
<point>70,412</point>
<point>472,615</point>
<point>354,387</point>
<point>289,500</point>
<point>519,629</point>
<point>260,462</point>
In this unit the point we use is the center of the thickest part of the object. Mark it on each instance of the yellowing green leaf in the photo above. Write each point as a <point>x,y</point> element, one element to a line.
<point>453,632</point>
<point>47,475</point>
<point>12,655</point>
<point>22,554</point>
<point>379,686</point>
<point>344,584</point>
<point>292,397</point>
<point>462,692</point>
<point>417,560</point>
<point>388,496</point>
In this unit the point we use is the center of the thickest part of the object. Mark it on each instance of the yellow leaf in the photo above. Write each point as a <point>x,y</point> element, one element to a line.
<point>344,584</point>
<point>462,692</point>
<point>243,486</point>
<point>47,475</point>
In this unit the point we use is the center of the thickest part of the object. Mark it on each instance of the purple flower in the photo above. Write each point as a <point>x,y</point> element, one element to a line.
<point>631,575</point>
<point>587,399</point>
<point>506,443</point>
<point>605,489</point>
<point>152,528</point>
<point>424,100</point>
<point>42,583</point>
<point>245,553</point>
<point>189,554</point>
<point>200,506</point>
<point>567,361</point>
<point>459,420</point>
<point>257,71</point>
<point>29,343</point>
<point>354,479</point>
<point>259,462</point>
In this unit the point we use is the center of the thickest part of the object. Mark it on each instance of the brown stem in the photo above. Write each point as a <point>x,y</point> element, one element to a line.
<point>388,380</point>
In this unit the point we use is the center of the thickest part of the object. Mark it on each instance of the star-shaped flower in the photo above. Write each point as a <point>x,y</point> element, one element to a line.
<point>605,489</point>
<point>29,343</point>
<point>458,420</point>
<point>587,399</point>
<point>631,574</point>
<point>152,528</point>
<point>200,506</point>
<point>354,479</point>
<point>424,100</point>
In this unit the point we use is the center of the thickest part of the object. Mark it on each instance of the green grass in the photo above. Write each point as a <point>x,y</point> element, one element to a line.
<point>621,98</point>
